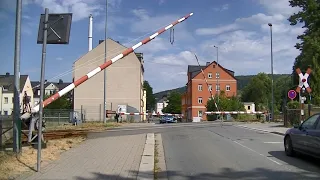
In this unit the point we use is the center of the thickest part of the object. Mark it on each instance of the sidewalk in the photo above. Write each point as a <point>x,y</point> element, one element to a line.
<point>276,128</point>
<point>110,158</point>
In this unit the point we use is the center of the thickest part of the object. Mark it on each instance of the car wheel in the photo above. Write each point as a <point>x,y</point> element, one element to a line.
<point>288,146</point>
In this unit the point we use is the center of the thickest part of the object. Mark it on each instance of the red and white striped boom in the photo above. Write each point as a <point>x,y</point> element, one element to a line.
<point>106,64</point>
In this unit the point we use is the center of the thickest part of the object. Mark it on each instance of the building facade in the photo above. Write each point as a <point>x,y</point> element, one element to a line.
<point>124,82</point>
<point>198,92</point>
<point>7,93</point>
<point>50,88</point>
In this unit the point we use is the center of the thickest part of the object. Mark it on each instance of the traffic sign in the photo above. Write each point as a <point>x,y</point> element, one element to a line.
<point>303,80</point>
<point>292,94</point>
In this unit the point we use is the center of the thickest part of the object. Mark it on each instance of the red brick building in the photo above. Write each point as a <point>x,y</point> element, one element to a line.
<point>195,99</point>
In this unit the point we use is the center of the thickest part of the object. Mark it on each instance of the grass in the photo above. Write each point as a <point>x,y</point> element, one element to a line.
<point>156,160</point>
<point>87,126</point>
<point>12,166</point>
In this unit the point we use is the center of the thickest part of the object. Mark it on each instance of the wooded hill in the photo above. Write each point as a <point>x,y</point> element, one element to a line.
<point>242,81</point>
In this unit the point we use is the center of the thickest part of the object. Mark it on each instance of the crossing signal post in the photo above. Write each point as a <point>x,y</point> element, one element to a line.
<point>303,88</point>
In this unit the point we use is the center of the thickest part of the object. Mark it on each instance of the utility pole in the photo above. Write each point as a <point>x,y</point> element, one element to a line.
<point>272,93</point>
<point>105,60</point>
<point>16,107</point>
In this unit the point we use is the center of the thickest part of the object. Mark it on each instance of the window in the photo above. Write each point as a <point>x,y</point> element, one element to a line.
<point>12,100</point>
<point>218,87</point>
<point>210,87</point>
<point>51,92</point>
<point>214,66</point>
<point>200,100</point>
<point>6,100</point>
<point>310,122</point>
<point>38,92</point>
<point>199,87</point>
<point>5,113</point>
<point>199,113</point>
<point>248,107</point>
<point>217,75</point>
<point>228,88</point>
<point>210,75</point>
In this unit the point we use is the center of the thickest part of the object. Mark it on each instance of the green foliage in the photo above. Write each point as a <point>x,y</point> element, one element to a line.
<point>309,16</point>
<point>174,104</point>
<point>293,105</point>
<point>224,104</point>
<point>61,103</point>
<point>151,101</point>
<point>258,91</point>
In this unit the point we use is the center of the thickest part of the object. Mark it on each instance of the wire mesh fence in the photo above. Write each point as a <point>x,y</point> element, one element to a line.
<point>6,128</point>
<point>293,116</point>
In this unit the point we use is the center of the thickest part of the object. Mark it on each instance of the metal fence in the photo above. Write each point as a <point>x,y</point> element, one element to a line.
<point>6,128</point>
<point>293,116</point>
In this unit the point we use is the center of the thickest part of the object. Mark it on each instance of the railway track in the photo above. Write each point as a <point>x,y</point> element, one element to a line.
<point>59,134</point>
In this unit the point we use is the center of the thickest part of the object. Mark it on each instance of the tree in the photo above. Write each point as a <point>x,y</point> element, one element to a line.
<point>258,91</point>
<point>174,104</point>
<point>224,104</point>
<point>151,101</point>
<point>61,103</point>
<point>309,16</point>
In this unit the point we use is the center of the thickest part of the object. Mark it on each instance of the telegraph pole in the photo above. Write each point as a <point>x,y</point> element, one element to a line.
<point>16,107</point>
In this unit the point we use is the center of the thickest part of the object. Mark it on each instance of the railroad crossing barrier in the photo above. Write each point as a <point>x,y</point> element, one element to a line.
<point>33,117</point>
<point>234,112</point>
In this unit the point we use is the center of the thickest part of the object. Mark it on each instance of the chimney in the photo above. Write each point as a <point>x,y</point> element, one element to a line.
<point>90,32</point>
<point>207,64</point>
<point>7,74</point>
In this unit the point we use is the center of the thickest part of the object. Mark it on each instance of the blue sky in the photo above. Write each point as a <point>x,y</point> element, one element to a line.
<point>238,27</point>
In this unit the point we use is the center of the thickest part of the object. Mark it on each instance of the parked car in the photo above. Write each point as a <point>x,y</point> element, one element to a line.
<point>304,138</point>
<point>168,119</point>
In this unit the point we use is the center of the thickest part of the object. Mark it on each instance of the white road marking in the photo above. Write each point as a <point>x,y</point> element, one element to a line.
<point>256,129</point>
<point>273,142</point>
<point>257,153</point>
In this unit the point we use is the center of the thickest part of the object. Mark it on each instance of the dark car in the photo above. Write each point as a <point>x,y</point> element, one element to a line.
<point>168,119</point>
<point>304,138</point>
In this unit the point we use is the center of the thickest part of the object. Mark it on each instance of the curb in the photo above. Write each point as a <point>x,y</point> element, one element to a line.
<point>146,167</point>
<point>162,173</point>
<point>257,129</point>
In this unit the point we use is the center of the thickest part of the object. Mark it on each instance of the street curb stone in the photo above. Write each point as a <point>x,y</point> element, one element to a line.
<point>146,169</point>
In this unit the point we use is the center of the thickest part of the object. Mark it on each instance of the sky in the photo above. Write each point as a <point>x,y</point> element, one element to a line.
<point>239,28</point>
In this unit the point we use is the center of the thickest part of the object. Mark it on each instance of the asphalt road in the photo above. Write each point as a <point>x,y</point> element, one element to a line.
<point>212,151</point>
<point>230,152</point>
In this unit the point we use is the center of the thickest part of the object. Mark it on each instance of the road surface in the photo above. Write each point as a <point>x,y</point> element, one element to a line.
<point>212,151</point>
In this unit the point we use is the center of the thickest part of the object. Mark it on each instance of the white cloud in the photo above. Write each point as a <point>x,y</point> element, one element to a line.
<point>150,24</point>
<point>222,8</point>
<point>169,70</point>
<point>80,8</point>
<point>218,30</point>
<point>244,45</point>
<point>161,2</point>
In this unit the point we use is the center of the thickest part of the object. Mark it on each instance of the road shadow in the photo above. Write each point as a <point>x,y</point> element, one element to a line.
<point>300,161</point>
<point>223,174</point>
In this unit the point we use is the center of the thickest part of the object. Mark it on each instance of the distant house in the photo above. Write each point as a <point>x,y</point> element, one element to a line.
<point>7,92</point>
<point>198,92</point>
<point>161,103</point>
<point>50,88</point>
<point>249,106</point>
<point>124,82</point>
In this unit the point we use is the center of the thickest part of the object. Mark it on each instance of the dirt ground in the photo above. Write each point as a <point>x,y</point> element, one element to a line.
<point>98,126</point>
<point>11,166</point>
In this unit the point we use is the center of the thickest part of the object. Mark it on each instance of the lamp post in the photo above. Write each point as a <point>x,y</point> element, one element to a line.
<point>272,93</point>
<point>217,77</point>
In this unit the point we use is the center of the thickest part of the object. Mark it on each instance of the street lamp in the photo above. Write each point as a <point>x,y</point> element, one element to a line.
<point>218,85</point>
<point>272,105</point>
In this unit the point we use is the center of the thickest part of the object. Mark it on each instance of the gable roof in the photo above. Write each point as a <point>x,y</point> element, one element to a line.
<point>36,86</point>
<point>7,81</point>
<point>195,69</point>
